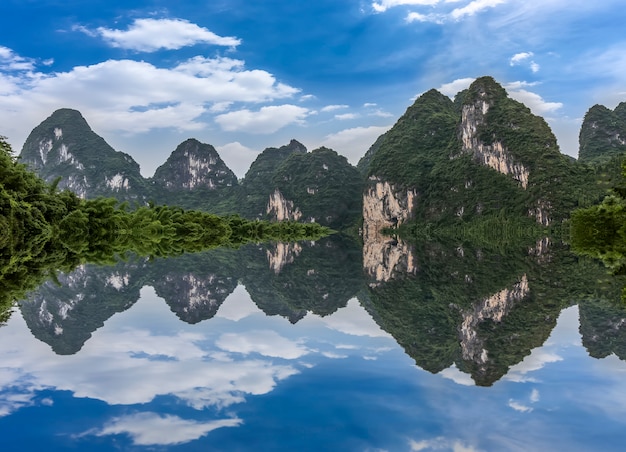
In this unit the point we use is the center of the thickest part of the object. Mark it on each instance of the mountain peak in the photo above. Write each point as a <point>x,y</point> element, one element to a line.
<point>64,145</point>
<point>194,165</point>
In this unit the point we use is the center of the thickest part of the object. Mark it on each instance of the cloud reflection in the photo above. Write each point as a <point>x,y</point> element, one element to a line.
<point>152,429</point>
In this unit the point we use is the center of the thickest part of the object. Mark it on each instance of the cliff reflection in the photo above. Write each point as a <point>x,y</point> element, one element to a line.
<point>451,304</point>
<point>446,304</point>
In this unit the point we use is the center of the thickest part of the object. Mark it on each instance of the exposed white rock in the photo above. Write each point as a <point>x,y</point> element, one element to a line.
<point>58,133</point>
<point>494,155</point>
<point>541,212</point>
<point>45,146</point>
<point>494,308</point>
<point>118,282</point>
<point>118,182</point>
<point>283,254</point>
<point>282,209</point>
<point>385,258</point>
<point>384,207</point>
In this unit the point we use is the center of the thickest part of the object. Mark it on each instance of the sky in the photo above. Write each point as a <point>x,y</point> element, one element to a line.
<point>244,75</point>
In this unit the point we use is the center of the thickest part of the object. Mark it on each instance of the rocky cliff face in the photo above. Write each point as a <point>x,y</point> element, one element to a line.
<point>64,145</point>
<point>64,316</point>
<point>281,255</point>
<point>195,296</point>
<point>494,155</point>
<point>494,308</point>
<point>280,209</point>
<point>385,259</point>
<point>194,165</point>
<point>385,206</point>
<point>323,187</point>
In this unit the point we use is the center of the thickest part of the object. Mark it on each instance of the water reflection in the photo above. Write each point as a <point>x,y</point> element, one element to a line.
<point>306,346</point>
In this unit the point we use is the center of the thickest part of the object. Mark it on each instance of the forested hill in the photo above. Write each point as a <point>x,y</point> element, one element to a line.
<point>481,155</point>
<point>445,161</point>
<point>603,134</point>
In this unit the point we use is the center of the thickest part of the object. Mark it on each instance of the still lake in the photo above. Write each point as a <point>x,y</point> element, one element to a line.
<point>320,346</point>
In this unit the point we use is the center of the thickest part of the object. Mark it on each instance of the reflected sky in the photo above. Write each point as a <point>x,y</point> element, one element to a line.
<point>246,381</point>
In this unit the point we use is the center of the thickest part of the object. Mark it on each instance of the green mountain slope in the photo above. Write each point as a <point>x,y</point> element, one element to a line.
<point>481,156</point>
<point>603,134</point>
<point>64,146</point>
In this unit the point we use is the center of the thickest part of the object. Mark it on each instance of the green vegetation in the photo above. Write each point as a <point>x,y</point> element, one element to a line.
<point>603,134</point>
<point>43,230</point>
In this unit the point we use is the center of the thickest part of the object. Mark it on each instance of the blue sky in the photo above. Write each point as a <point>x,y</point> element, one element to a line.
<point>245,75</point>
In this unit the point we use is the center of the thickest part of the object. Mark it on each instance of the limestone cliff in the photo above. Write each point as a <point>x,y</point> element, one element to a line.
<point>494,155</point>
<point>281,255</point>
<point>493,308</point>
<point>194,296</point>
<point>280,209</point>
<point>194,165</point>
<point>384,259</point>
<point>384,206</point>
<point>64,146</point>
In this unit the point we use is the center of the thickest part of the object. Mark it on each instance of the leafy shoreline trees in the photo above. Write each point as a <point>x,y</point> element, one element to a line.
<point>43,230</point>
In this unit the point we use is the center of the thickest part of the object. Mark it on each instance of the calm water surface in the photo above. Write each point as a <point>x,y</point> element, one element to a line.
<point>318,347</point>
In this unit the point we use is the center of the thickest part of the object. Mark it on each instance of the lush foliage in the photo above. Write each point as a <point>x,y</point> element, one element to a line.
<point>44,230</point>
<point>603,134</point>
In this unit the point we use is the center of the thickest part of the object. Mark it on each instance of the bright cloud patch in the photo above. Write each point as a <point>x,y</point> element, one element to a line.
<point>354,142</point>
<point>9,61</point>
<point>522,58</point>
<point>137,96</point>
<point>266,343</point>
<point>266,120</point>
<point>152,429</point>
<point>453,88</point>
<point>149,35</point>
<point>438,11</point>
<point>533,101</point>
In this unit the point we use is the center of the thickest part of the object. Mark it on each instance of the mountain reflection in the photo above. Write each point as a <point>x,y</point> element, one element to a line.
<point>447,305</point>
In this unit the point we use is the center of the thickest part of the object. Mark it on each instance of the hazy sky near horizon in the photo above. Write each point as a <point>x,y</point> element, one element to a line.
<point>243,75</point>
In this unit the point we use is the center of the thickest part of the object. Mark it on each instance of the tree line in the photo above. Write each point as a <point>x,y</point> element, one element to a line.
<point>44,230</point>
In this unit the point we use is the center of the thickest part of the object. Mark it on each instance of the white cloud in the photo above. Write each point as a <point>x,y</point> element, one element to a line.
<point>519,57</point>
<point>134,96</point>
<point>534,396</point>
<point>370,104</point>
<point>237,156</point>
<point>384,5</point>
<point>440,443</point>
<point>533,101</point>
<point>353,143</point>
<point>346,116</point>
<point>152,429</point>
<point>10,61</point>
<point>522,57</point>
<point>238,306</point>
<point>353,320</point>
<point>333,107</point>
<point>266,120</point>
<point>536,361</point>
<point>460,378</point>
<point>451,89</point>
<point>149,35</point>
<point>519,407</point>
<point>380,113</point>
<point>474,7</point>
<point>266,343</point>
<point>441,11</point>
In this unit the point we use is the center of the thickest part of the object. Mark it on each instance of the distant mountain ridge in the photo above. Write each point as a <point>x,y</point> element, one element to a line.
<point>195,176</point>
<point>444,161</point>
